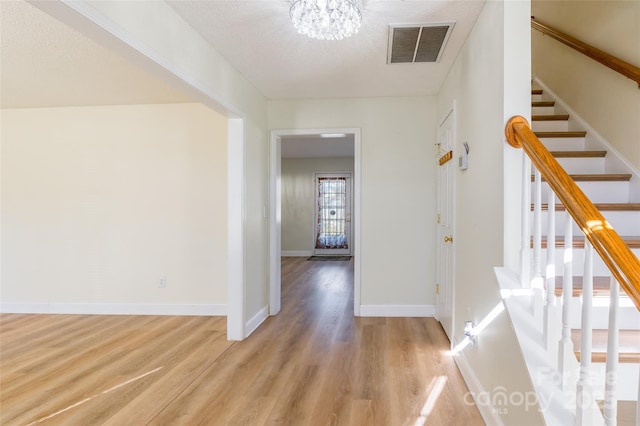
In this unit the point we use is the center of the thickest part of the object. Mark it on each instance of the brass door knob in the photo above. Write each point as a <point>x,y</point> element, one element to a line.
<point>448,239</point>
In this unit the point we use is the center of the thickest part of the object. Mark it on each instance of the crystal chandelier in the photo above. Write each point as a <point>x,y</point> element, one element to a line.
<point>326,19</point>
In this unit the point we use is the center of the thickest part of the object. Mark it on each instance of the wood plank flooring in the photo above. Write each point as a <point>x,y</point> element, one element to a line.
<point>312,364</point>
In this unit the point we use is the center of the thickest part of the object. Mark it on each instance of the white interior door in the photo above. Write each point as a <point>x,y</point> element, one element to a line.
<point>332,224</point>
<point>445,219</point>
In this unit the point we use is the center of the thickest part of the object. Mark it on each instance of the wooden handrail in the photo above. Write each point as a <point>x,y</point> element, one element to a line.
<point>620,260</point>
<point>616,64</point>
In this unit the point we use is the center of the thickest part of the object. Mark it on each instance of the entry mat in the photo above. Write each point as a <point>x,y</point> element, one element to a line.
<point>333,258</point>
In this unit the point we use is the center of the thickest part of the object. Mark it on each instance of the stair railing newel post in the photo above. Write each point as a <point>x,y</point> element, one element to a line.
<point>584,392</point>
<point>550,331</point>
<point>611,375</point>
<point>536,284</point>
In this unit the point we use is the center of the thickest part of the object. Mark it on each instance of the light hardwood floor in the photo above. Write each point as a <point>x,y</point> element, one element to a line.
<point>313,364</point>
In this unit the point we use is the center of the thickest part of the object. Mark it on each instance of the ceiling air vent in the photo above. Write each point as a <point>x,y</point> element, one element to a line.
<point>417,43</point>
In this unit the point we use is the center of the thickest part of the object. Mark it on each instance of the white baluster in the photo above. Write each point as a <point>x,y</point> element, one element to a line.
<point>584,391</point>
<point>536,283</point>
<point>550,330</point>
<point>611,377</point>
<point>525,236</point>
<point>566,357</point>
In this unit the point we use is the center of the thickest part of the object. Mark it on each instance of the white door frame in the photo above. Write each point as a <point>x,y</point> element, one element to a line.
<point>275,218</point>
<point>235,229</point>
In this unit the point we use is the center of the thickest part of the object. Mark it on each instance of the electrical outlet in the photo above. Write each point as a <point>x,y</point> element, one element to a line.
<point>162,282</point>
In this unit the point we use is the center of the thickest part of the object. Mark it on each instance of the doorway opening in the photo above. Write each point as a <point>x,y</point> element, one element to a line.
<point>331,223</point>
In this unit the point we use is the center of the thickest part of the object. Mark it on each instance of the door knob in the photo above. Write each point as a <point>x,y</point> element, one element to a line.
<point>448,239</point>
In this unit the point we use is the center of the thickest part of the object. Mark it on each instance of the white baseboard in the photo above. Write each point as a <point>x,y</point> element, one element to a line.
<point>255,321</point>
<point>296,253</point>
<point>487,411</point>
<point>397,310</point>
<point>114,308</point>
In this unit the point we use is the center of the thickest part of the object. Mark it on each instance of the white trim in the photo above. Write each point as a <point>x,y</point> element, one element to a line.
<point>235,229</point>
<point>489,415</point>
<point>357,205</point>
<point>398,311</point>
<point>114,308</point>
<point>256,320</point>
<point>275,200</point>
<point>301,253</point>
<point>275,222</point>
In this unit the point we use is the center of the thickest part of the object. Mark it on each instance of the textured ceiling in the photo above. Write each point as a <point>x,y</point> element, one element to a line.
<point>44,63</point>
<point>258,38</point>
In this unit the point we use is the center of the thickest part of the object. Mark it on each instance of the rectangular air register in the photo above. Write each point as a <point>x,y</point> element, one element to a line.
<point>417,42</point>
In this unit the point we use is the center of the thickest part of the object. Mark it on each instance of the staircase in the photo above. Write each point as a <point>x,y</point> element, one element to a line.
<point>550,324</point>
<point>608,186</point>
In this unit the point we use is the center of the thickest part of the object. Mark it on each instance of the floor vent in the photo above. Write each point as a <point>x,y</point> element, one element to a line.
<point>417,43</point>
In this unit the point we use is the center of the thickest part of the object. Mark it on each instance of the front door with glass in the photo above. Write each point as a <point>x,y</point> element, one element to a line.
<point>332,225</point>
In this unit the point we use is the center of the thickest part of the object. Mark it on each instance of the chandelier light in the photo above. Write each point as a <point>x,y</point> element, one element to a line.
<point>326,19</point>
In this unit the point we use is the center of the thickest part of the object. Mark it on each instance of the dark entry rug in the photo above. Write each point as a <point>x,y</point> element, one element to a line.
<point>334,258</point>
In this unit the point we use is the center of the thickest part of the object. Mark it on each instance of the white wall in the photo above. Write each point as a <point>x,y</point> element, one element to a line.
<point>398,188</point>
<point>151,34</point>
<point>489,82</point>
<point>298,198</point>
<point>98,203</point>
<point>608,101</point>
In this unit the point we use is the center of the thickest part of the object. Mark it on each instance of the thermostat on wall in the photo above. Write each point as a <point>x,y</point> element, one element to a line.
<point>463,160</point>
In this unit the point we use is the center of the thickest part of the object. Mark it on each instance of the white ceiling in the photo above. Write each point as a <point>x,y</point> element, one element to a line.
<point>44,63</point>
<point>258,38</point>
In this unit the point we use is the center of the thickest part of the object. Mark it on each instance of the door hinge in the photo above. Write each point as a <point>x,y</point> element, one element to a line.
<point>438,218</point>
<point>438,289</point>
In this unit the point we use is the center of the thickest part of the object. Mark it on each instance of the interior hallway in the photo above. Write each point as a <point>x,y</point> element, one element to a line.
<point>312,364</point>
